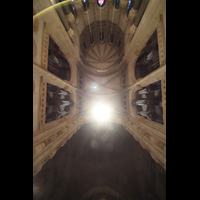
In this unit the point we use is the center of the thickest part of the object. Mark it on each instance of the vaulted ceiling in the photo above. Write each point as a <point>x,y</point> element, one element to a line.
<point>100,162</point>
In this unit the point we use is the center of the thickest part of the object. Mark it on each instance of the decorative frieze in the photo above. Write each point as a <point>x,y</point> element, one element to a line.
<point>42,110</point>
<point>45,47</point>
<point>161,41</point>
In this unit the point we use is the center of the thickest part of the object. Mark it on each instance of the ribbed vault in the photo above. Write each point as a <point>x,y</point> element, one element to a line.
<point>102,46</point>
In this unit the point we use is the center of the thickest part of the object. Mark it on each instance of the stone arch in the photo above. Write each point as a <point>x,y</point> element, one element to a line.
<point>102,190</point>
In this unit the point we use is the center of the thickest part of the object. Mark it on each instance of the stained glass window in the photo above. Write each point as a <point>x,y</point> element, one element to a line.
<point>129,3</point>
<point>117,2</point>
<point>73,6</point>
<point>101,2</point>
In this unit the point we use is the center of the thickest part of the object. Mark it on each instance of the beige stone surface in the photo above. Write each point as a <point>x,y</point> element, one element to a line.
<point>50,137</point>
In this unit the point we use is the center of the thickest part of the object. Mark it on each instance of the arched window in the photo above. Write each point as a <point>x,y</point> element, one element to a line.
<point>100,2</point>
<point>73,6</point>
<point>85,5</point>
<point>84,45</point>
<point>124,81</point>
<point>57,63</point>
<point>91,39</point>
<point>119,43</point>
<point>129,3</point>
<point>111,38</point>
<point>101,36</point>
<point>116,3</point>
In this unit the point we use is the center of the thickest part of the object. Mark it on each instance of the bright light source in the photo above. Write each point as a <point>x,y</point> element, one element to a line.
<point>101,112</point>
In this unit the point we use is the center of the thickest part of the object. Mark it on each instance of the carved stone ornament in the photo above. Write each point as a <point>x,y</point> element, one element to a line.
<point>71,33</point>
<point>132,30</point>
<point>123,3</point>
<point>132,14</point>
<point>78,5</point>
<point>70,18</point>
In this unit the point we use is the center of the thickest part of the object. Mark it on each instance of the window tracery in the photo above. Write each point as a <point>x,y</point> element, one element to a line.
<point>129,4</point>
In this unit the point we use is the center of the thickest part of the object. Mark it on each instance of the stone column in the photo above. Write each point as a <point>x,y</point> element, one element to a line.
<point>139,16</point>
<point>61,14</point>
<point>134,10</point>
<point>146,27</point>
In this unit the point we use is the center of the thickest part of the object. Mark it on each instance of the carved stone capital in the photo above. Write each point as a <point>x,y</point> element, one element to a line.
<point>123,3</point>
<point>78,5</point>
<point>70,18</point>
<point>132,14</point>
<point>132,30</point>
<point>71,33</point>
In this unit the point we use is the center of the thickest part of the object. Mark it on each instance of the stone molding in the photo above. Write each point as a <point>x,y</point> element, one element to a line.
<point>45,47</point>
<point>35,22</point>
<point>47,146</point>
<point>148,140</point>
<point>161,41</point>
<point>34,48</point>
<point>51,78</point>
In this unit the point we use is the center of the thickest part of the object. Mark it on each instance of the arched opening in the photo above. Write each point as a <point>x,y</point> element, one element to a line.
<point>84,45</point>
<point>85,5</point>
<point>148,102</point>
<point>129,6</point>
<point>101,36</point>
<point>148,61</point>
<point>101,2</point>
<point>57,63</point>
<point>116,3</point>
<point>91,39</point>
<point>112,38</point>
<point>100,156</point>
<point>58,103</point>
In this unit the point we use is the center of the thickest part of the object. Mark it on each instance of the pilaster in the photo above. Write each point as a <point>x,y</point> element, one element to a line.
<point>47,142</point>
<point>154,144</point>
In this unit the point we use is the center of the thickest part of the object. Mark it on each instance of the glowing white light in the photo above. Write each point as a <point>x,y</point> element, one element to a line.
<point>101,112</point>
